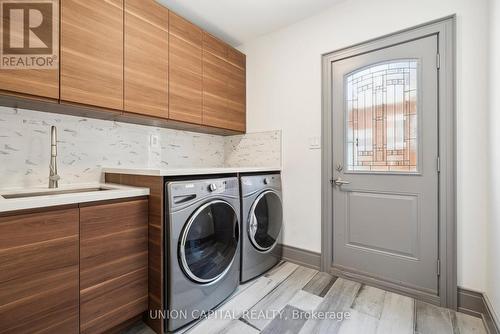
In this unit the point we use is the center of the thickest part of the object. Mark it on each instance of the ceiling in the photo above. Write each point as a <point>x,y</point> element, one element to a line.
<point>238,21</point>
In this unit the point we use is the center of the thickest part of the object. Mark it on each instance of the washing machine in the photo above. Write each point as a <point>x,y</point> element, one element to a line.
<point>202,253</point>
<point>262,220</point>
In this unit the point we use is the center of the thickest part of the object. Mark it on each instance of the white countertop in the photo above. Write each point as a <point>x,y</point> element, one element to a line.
<point>52,198</point>
<point>189,171</point>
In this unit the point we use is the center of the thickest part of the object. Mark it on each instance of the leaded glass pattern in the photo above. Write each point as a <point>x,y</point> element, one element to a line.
<point>382,118</point>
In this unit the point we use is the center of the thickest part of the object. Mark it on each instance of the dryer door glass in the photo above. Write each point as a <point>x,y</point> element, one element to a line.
<point>265,222</point>
<point>209,242</point>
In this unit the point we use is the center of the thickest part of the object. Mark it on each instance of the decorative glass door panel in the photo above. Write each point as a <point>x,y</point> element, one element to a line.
<point>382,118</point>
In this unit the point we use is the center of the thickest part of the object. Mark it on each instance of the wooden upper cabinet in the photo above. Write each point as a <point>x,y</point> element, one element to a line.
<point>146,58</point>
<point>39,272</point>
<point>236,58</point>
<point>223,94</point>
<point>215,86</point>
<point>185,70</point>
<point>214,45</point>
<point>43,83</point>
<point>224,97</point>
<point>92,52</point>
<point>137,56</point>
<point>37,82</point>
<point>236,92</point>
<point>237,88</point>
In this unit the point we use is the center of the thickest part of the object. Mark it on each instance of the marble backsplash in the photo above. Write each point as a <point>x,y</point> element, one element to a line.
<point>260,149</point>
<point>86,145</point>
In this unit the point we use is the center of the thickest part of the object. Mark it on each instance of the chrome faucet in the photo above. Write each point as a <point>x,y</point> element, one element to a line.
<point>53,177</point>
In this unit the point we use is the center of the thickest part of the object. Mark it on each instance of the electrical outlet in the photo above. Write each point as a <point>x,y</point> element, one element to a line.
<point>154,141</point>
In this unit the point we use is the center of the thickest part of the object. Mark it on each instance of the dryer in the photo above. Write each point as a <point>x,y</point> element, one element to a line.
<point>262,220</point>
<point>202,251</point>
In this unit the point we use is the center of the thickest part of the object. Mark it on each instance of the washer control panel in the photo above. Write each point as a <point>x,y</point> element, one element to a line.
<point>181,193</point>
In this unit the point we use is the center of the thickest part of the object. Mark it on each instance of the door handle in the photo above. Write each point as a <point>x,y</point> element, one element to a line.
<point>339,182</point>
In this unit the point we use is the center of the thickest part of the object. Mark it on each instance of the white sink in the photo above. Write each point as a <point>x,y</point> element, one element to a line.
<point>53,192</point>
<point>15,199</point>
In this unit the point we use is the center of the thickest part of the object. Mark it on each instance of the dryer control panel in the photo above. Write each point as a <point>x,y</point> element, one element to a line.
<point>253,183</point>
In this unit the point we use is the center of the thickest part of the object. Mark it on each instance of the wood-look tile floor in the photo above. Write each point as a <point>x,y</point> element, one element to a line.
<point>286,299</point>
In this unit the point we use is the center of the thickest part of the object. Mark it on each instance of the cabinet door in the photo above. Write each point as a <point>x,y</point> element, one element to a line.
<point>236,92</point>
<point>185,73</point>
<point>37,82</point>
<point>214,90</point>
<point>146,58</point>
<point>224,85</point>
<point>236,58</point>
<point>92,52</point>
<point>113,263</point>
<point>39,272</point>
<point>214,45</point>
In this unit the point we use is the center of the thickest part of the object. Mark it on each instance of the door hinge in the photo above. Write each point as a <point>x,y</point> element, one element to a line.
<point>438,61</point>
<point>438,164</point>
<point>439,267</point>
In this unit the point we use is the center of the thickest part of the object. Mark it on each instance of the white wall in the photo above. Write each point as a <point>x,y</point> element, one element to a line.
<point>493,287</point>
<point>284,91</point>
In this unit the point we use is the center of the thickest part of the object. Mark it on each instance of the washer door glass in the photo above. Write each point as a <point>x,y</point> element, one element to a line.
<point>209,242</point>
<point>266,218</point>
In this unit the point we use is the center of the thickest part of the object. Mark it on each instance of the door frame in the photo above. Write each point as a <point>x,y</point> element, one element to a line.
<point>447,249</point>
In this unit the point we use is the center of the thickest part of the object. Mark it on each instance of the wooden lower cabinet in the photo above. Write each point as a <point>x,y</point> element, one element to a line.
<point>74,269</point>
<point>39,272</point>
<point>156,278</point>
<point>113,263</point>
